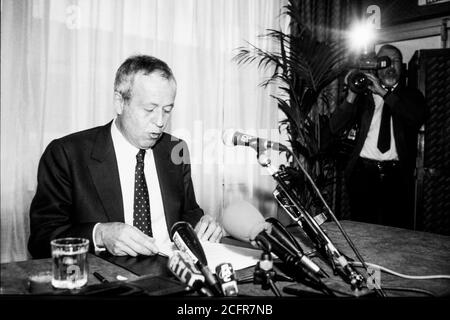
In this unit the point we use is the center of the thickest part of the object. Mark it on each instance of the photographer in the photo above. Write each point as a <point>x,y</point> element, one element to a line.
<point>380,172</point>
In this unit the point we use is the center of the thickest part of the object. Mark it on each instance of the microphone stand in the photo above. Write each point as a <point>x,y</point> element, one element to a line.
<point>314,231</point>
<point>264,273</point>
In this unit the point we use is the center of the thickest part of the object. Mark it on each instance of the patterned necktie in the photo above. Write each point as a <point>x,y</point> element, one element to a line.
<point>141,211</point>
<point>384,135</point>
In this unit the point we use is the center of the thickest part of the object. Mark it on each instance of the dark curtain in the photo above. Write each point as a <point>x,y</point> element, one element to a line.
<point>329,21</point>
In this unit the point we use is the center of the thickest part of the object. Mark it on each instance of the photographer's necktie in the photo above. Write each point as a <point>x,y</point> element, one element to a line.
<point>384,135</point>
<point>141,211</point>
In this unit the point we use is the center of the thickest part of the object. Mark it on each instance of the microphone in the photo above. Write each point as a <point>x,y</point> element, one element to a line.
<point>187,241</point>
<point>244,222</point>
<point>284,236</point>
<point>232,137</point>
<point>280,233</point>
<point>184,269</point>
<point>227,279</point>
<point>264,235</point>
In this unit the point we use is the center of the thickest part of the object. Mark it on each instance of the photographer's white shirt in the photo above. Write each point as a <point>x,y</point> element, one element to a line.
<point>370,149</point>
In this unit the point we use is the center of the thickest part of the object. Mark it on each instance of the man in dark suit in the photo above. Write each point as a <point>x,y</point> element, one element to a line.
<point>122,185</point>
<point>380,171</point>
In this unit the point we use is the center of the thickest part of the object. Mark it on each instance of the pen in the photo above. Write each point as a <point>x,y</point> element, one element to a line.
<point>100,277</point>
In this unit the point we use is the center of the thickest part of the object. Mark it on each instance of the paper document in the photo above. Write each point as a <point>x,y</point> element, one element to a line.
<point>217,253</point>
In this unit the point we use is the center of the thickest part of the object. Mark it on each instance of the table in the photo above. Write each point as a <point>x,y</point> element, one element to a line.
<point>405,251</point>
<point>14,275</point>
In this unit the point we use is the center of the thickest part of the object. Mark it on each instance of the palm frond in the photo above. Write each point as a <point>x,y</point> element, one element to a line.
<point>303,68</point>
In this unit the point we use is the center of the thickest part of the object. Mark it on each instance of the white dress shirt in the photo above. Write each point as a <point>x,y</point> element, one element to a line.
<point>126,163</point>
<point>370,149</point>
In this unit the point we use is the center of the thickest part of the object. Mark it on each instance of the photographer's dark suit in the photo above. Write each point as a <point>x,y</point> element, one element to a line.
<point>79,185</point>
<point>407,107</point>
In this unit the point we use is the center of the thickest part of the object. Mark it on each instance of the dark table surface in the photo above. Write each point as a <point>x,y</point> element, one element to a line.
<point>404,251</point>
<point>15,275</point>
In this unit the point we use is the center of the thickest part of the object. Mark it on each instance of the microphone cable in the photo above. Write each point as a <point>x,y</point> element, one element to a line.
<point>416,290</point>
<point>407,289</point>
<point>274,288</point>
<point>401,275</point>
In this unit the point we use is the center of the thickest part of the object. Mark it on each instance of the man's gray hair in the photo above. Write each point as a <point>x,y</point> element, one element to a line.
<point>142,64</point>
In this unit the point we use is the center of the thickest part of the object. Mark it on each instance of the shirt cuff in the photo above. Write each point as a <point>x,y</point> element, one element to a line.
<point>96,248</point>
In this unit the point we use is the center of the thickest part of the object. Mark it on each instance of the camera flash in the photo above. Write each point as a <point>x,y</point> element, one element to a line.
<point>361,36</point>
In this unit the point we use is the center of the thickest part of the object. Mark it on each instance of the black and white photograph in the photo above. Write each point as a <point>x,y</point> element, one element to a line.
<point>225,159</point>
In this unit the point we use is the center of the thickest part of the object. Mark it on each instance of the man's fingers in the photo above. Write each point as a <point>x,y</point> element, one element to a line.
<point>211,227</point>
<point>143,244</point>
<point>201,227</point>
<point>115,237</point>
<point>371,77</point>
<point>141,248</point>
<point>208,229</point>
<point>122,249</point>
<point>151,245</point>
<point>217,235</point>
<point>124,239</point>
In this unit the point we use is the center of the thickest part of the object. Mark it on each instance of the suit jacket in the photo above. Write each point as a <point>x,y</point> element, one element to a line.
<point>79,185</point>
<point>407,107</point>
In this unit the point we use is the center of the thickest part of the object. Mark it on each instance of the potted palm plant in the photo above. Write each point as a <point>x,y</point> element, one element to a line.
<point>303,68</point>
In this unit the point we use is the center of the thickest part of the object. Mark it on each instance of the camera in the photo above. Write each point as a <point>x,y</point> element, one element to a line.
<point>357,80</point>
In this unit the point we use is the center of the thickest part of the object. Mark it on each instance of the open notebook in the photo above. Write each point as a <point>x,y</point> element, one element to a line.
<point>217,253</point>
<point>241,258</point>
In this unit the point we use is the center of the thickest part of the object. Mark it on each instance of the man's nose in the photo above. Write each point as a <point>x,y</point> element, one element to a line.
<point>159,117</point>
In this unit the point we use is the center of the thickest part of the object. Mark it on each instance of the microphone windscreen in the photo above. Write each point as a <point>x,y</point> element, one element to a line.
<point>241,220</point>
<point>227,137</point>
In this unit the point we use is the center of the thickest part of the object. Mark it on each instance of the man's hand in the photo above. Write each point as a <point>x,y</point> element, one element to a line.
<point>121,239</point>
<point>351,96</point>
<point>376,87</point>
<point>208,229</point>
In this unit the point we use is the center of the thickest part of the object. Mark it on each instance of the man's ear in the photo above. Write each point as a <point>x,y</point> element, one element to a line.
<point>119,103</point>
